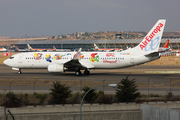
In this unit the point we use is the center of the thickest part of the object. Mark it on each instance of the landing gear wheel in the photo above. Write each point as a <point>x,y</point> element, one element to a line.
<point>77,73</point>
<point>86,72</point>
<point>19,72</point>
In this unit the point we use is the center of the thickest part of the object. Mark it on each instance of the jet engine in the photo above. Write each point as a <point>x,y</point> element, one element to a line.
<point>56,68</point>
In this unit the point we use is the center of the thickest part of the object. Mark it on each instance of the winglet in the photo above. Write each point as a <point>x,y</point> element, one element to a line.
<point>78,54</point>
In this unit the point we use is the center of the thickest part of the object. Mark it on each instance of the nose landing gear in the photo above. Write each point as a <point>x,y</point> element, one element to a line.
<point>19,72</point>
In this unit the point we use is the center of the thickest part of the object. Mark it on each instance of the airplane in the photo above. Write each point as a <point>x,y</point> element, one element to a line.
<point>165,47</point>
<point>106,49</point>
<point>39,49</point>
<point>20,50</point>
<point>3,49</point>
<point>146,51</point>
<point>175,50</point>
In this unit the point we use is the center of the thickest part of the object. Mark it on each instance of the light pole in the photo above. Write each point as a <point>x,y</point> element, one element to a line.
<point>110,85</point>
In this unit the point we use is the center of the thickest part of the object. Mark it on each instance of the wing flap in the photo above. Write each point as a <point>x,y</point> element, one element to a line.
<point>86,65</point>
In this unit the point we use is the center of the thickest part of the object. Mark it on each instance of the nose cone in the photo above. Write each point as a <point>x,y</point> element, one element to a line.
<point>6,62</point>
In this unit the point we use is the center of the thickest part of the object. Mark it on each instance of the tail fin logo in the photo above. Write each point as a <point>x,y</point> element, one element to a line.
<point>29,47</point>
<point>153,44</point>
<point>151,36</point>
<point>166,44</point>
<point>95,46</point>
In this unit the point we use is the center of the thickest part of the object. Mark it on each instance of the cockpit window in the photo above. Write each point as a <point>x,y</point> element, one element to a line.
<point>11,57</point>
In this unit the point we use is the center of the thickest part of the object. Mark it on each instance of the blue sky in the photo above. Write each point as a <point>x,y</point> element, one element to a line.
<point>53,17</point>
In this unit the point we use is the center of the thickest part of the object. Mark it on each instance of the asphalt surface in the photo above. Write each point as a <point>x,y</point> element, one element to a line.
<point>113,75</point>
<point>138,72</point>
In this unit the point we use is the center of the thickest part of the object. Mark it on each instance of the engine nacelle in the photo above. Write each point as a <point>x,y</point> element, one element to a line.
<point>55,68</point>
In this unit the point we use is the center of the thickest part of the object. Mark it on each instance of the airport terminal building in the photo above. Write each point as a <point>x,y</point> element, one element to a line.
<point>89,44</point>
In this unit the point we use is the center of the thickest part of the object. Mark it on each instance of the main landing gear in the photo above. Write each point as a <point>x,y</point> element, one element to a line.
<point>86,72</point>
<point>78,72</point>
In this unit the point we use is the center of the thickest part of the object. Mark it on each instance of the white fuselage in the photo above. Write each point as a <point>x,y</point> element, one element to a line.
<point>97,60</point>
<point>3,49</point>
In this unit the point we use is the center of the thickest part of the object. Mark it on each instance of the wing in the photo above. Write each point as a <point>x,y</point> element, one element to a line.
<point>75,64</point>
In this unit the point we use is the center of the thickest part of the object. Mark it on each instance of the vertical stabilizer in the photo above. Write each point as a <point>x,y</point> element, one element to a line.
<point>29,47</point>
<point>166,45</point>
<point>95,47</point>
<point>54,48</point>
<point>151,41</point>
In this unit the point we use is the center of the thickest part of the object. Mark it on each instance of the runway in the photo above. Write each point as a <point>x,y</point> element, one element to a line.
<point>41,80</point>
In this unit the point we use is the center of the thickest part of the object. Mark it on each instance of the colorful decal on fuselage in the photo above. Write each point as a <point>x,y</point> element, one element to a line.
<point>57,56</point>
<point>106,61</point>
<point>110,55</point>
<point>78,56</point>
<point>37,56</point>
<point>81,56</point>
<point>48,58</point>
<point>94,57</point>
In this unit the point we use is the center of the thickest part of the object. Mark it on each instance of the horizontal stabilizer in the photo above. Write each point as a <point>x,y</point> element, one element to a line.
<point>152,54</point>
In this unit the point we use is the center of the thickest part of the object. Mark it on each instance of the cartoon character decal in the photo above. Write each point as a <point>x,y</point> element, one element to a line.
<point>81,56</point>
<point>37,56</point>
<point>94,57</point>
<point>57,57</point>
<point>48,58</point>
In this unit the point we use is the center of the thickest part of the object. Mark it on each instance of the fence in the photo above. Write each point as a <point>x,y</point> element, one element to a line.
<point>145,86</point>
